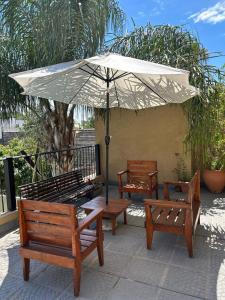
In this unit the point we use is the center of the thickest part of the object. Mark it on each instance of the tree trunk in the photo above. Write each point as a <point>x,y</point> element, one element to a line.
<point>59,126</point>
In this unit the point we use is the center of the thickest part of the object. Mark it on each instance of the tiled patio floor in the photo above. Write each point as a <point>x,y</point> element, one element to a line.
<point>131,271</point>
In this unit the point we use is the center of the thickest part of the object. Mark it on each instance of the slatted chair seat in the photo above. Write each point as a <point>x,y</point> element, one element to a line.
<point>66,187</point>
<point>133,187</point>
<point>88,240</point>
<point>142,177</point>
<point>175,216</point>
<point>50,233</point>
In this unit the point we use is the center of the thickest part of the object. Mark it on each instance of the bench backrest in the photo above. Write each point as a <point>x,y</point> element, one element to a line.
<point>138,170</point>
<point>48,188</point>
<point>72,179</point>
<point>47,223</point>
<point>194,189</point>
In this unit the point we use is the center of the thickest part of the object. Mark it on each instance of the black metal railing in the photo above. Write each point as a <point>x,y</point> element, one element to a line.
<point>3,204</point>
<point>27,168</point>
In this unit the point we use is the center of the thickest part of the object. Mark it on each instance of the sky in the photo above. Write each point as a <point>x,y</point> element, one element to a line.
<point>206,18</point>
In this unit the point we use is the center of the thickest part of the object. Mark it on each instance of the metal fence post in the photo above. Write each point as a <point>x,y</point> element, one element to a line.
<point>10,183</point>
<point>97,159</point>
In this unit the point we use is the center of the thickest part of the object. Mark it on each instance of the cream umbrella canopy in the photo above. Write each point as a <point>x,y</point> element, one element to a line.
<point>107,81</point>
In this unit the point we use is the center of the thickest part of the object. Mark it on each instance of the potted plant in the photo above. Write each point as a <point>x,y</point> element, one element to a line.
<point>182,174</point>
<point>214,174</point>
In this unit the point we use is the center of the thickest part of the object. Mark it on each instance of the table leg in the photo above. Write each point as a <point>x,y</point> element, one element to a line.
<point>125,216</point>
<point>113,226</point>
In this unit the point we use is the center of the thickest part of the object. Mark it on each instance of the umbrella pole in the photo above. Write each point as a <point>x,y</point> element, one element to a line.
<point>107,141</point>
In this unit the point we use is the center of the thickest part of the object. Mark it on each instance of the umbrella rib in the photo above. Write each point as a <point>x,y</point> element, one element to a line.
<point>94,72</point>
<point>83,85</point>
<point>121,75</point>
<point>151,89</point>
<point>114,75</point>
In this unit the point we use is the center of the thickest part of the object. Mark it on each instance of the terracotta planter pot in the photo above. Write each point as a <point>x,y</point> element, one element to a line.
<point>214,180</point>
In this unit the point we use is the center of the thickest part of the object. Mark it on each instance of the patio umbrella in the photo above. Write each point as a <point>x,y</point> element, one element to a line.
<point>106,81</point>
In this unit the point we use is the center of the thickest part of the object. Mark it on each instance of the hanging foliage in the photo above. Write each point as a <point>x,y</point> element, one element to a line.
<point>43,32</point>
<point>177,47</point>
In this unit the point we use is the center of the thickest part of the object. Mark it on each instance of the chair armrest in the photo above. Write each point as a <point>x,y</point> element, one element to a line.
<point>119,174</point>
<point>166,187</point>
<point>153,173</point>
<point>175,182</point>
<point>122,172</point>
<point>97,213</point>
<point>167,204</point>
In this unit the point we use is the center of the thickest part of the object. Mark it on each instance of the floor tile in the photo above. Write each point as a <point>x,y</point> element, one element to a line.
<point>114,263</point>
<point>146,271</point>
<point>35,292</point>
<point>200,261</point>
<point>170,295</point>
<point>55,277</point>
<point>216,286</point>
<point>131,290</point>
<point>158,253</point>
<point>94,285</point>
<point>186,281</point>
<point>9,285</point>
<point>124,245</point>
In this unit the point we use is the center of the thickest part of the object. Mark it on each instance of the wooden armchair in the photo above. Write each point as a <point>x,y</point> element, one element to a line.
<point>50,232</point>
<point>142,177</point>
<point>175,216</point>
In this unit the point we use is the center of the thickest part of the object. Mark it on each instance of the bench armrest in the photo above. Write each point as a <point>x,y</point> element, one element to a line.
<point>97,213</point>
<point>167,204</point>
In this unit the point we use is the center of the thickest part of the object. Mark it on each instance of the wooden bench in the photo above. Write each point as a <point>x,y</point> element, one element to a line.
<point>175,216</point>
<point>142,177</point>
<point>50,233</point>
<point>66,187</point>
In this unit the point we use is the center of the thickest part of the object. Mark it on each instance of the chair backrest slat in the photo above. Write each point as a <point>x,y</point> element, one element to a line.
<point>139,169</point>
<point>52,218</point>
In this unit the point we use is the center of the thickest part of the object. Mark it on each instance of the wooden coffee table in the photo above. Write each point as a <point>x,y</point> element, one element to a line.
<point>111,211</point>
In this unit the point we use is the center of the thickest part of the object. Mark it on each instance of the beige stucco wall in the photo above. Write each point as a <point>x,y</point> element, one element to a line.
<point>150,134</point>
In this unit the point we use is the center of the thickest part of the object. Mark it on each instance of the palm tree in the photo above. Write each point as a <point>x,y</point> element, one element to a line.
<point>44,32</point>
<point>177,47</point>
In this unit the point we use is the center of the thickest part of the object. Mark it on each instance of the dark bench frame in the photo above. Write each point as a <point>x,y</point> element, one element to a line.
<point>67,187</point>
